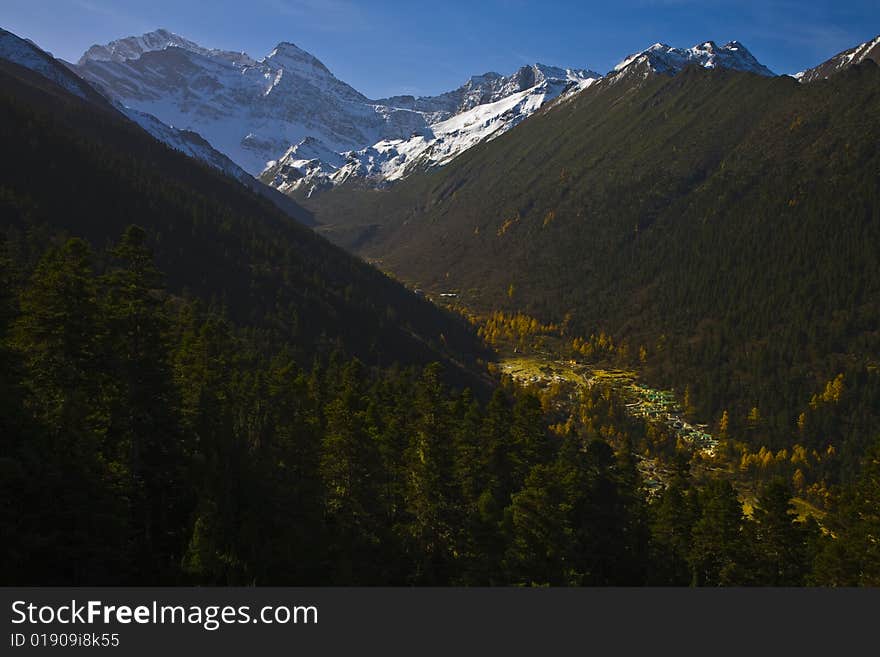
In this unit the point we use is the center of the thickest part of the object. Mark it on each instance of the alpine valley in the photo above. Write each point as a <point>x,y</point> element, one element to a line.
<point>552,327</point>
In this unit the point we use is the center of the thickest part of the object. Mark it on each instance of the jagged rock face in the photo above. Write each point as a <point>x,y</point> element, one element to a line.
<point>661,58</point>
<point>488,88</point>
<point>133,47</point>
<point>483,108</point>
<point>870,50</point>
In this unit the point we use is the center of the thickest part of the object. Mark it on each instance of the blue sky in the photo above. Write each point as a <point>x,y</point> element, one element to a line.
<point>392,47</point>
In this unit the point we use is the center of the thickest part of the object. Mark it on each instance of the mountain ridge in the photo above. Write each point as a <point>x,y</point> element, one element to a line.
<point>260,112</point>
<point>255,111</point>
<point>869,50</point>
<point>663,58</point>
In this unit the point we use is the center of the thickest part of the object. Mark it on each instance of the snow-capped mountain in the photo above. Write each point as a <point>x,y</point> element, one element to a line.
<point>28,55</point>
<point>483,108</point>
<point>289,113</point>
<point>252,111</point>
<point>665,59</point>
<point>868,50</point>
<point>133,47</point>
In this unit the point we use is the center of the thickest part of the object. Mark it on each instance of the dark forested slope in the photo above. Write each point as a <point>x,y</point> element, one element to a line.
<point>78,167</point>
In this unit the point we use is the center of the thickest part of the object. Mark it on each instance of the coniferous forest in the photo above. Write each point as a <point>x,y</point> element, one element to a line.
<point>149,440</point>
<point>196,390</point>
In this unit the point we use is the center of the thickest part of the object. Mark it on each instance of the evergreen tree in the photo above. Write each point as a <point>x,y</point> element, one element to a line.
<point>498,458</point>
<point>350,471</point>
<point>73,504</point>
<point>16,434</point>
<point>673,515</point>
<point>143,423</point>
<point>292,530</point>
<point>601,519</point>
<point>205,368</point>
<point>12,417</point>
<point>852,556</point>
<point>781,541</point>
<point>59,335</point>
<point>432,498</point>
<point>719,540</point>
<point>541,547</point>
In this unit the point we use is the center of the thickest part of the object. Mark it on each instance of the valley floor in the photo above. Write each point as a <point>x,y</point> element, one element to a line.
<point>549,366</point>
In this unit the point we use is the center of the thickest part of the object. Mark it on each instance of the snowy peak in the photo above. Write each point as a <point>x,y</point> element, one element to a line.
<point>668,60</point>
<point>289,57</point>
<point>307,163</point>
<point>869,50</point>
<point>538,75</point>
<point>491,87</point>
<point>295,66</point>
<point>312,149</point>
<point>250,110</point>
<point>563,74</point>
<point>133,47</point>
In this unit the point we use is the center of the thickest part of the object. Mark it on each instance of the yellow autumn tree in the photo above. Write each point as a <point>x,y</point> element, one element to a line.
<point>724,424</point>
<point>754,418</point>
<point>798,480</point>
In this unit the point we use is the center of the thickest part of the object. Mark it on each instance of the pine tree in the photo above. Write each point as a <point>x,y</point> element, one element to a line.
<point>603,520</point>
<point>16,433</point>
<point>12,416</point>
<point>781,541</point>
<point>540,548</point>
<point>432,498</point>
<point>499,471</point>
<point>852,556</point>
<point>143,414</point>
<point>205,367</point>
<point>530,442</point>
<point>719,540</point>
<point>59,335</point>
<point>350,471</point>
<point>469,476</point>
<point>73,514</point>
<point>673,515</point>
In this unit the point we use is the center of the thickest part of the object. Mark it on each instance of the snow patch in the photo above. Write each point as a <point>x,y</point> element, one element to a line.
<point>26,54</point>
